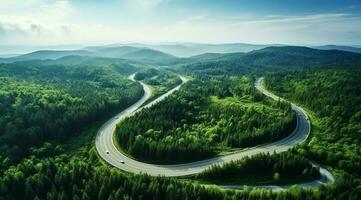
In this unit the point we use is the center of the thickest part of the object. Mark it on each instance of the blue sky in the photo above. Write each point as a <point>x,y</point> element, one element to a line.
<point>307,22</point>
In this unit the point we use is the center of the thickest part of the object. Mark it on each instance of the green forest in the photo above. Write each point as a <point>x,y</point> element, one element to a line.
<point>262,169</point>
<point>53,103</point>
<point>80,174</point>
<point>209,116</point>
<point>51,111</point>
<point>332,97</point>
<point>160,80</point>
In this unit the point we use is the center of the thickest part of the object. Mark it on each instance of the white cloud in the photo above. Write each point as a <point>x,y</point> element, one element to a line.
<point>59,22</point>
<point>9,4</point>
<point>33,20</point>
<point>306,29</point>
<point>296,19</point>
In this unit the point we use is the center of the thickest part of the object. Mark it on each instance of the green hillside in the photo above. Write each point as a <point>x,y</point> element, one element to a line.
<point>270,58</point>
<point>54,102</point>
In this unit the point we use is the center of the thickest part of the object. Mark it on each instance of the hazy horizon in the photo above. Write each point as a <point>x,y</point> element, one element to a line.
<point>14,50</point>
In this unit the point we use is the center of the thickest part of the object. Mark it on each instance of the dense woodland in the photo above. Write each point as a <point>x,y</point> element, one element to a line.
<point>159,79</point>
<point>333,98</point>
<point>221,67</point>
<point>263,168</point>
<point>52,103</point>
<point>50,114</point>
<point>268,59</point>
<point>75,171</point>
<point>210,115</point>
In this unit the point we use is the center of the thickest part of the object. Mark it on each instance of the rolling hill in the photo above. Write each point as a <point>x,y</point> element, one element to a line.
<point>123,52</point>
<point>340,47</point>
<point>270,58</point>
<point>193,49</point>
<point>46,54</point>
<point>114,52</point>
<point>135,53</point>
<point>275,56</point>
<point>288,56</point>
<point>151,56</point>
<point>215,57</point>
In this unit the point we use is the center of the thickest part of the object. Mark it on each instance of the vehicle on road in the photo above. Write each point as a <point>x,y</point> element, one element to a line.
<point>300,135</point>
<point>107,152</point>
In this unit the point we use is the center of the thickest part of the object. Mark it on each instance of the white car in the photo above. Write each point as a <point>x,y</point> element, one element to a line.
<point>122,161</point>
<point>107,151</point>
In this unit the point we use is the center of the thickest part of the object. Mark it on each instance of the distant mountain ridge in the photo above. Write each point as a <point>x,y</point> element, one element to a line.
<point>193,49</point>
<point>301,56</point>
<point>51,54</point>
<point>113,51</point>
<point>8,55</point>
<point>46,54</point>
<point>135,53</point>
<point>123,52</point>
<point>273,55</point>
<point>340,47</point>
<point>271,58</point>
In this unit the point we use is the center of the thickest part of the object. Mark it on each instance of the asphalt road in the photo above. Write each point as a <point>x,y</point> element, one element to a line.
<point>107,150</point>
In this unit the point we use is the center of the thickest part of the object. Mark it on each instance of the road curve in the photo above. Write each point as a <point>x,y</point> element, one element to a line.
<point>107,150</point>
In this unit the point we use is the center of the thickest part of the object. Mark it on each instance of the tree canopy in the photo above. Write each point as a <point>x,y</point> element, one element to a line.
<point>207,116</point>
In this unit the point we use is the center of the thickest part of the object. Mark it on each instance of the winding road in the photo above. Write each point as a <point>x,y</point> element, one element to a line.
<point>107,150</point>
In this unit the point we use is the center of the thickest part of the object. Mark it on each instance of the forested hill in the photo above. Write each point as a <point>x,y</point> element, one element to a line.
<point>53,102</point>
<point>144,55</point>
<point>300,56</point>
<point>270,58</point>
<point>46,54</point>
<point>340,47</point>
<point>332,97</point>
<point>120,65</point>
